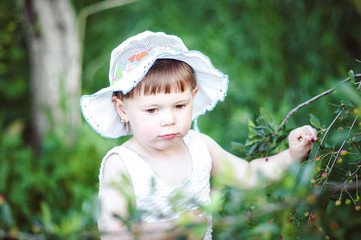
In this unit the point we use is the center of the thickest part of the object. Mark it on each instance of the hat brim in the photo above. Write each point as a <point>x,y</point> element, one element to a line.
<point>99,111</point>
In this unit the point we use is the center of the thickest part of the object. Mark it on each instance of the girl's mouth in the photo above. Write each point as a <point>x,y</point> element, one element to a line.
<point>168,136</point>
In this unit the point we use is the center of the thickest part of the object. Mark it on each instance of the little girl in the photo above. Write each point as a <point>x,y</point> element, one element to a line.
<point>157,89</point>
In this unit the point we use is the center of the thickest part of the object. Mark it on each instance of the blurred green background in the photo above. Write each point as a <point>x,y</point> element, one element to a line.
<point>277,55</point>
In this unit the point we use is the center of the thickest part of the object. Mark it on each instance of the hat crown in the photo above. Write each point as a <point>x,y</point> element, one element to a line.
<point>139,47</point>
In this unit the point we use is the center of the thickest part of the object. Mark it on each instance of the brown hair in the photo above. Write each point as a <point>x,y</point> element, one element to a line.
<point>166,75</point>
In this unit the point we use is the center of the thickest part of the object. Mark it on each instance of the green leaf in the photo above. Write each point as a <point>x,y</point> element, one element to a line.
<point>46,217</point>
<point>6,216</point>
<point>351,95</point>
<point>315,123</point>
<point>357,139</point>
<point>313,116</point>
<point>252,149</point>
<point>281,138</point>
<point>236,146</point>
<point>351,74</point>
<point>259,131</point>
<point>251,125</point>
<point>266,116</point>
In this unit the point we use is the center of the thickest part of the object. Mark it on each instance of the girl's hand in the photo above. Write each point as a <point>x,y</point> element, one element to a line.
<point>301,141</point>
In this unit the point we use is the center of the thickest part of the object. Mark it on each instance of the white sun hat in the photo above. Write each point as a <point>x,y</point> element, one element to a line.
<point>130,62</point>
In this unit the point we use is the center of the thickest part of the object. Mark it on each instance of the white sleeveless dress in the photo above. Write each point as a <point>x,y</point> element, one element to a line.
<point>159,201</point>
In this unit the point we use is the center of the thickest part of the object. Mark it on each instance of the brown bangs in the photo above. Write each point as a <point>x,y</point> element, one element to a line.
<point>165,76</point>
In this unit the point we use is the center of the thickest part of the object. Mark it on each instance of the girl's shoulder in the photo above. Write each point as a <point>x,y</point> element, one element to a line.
<point>195,138</point>
<point>192,136</point>
<point>113,153</point>
<point>112,164</point>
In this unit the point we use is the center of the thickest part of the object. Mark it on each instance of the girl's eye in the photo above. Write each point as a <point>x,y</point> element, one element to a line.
<point>180,106</point>
<point>152,110</point>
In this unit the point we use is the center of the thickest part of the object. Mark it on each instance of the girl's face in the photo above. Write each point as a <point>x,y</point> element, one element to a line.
<point>158,122</point>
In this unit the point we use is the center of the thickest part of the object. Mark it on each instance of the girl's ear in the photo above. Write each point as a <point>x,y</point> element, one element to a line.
<point>119,106</point>
<point>195,90</point>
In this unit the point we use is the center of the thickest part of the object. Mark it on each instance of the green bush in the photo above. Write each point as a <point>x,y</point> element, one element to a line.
<point>318,199</point>
<point>53,194</point>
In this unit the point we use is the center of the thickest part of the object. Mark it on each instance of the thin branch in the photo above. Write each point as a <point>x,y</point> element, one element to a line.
<point>303,105</point>
<point>93,9</point>
<point>345,186</point>
<point>96,8</point>
<point>338,152</point>
<point>310,101</point>
<point>327,130</point>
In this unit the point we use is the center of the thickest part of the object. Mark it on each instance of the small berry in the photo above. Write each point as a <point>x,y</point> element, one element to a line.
<point>324,175</point>
<point>281,237</point>
<point>357,207</point>
<point>277,152</point>
<point>313,180</point>
<point>343,152</point>
<point>311,198</point>
<point>313,216</point>
<point>316,185</point>
<point>348,202</point>
<point>357,198</point>
<point>2,199</point>
<point>356,111</point>
<point>319,140</point>
<point>307,213</point>
<point>270,221</point>
<point>338,202</point>
<point>334,225</point>
<point>317,169</point>
<point>317,158</point>
<point>300,139</point>
<point>290,219</point>
<point>339,160</point>
<point>266,159</point>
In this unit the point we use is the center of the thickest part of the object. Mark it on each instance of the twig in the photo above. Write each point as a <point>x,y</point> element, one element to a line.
<point>96,8</point>
<point>345,186</point>
<point>338,152</point>
<point>303,105</point>
<point>327,130</point>
<point>310,101</point>
<point>93,9</point>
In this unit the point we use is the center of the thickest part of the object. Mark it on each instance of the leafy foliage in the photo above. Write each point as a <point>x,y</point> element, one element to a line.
<point>263,137</point>
<point>313,200</point>
<point>55,194</point>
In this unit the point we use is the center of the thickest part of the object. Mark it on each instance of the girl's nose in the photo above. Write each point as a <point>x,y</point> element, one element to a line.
<point>168,119</point>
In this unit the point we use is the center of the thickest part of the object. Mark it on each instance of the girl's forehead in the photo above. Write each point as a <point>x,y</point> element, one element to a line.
<point>175,89</point>
<point>162,97</point>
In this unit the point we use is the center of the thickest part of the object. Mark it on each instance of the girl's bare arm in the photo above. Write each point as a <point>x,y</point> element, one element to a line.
<point>241,173</point>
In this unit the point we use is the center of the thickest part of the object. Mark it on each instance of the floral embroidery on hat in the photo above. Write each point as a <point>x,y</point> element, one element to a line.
<point>138,56</point>
<point>136,60</point>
